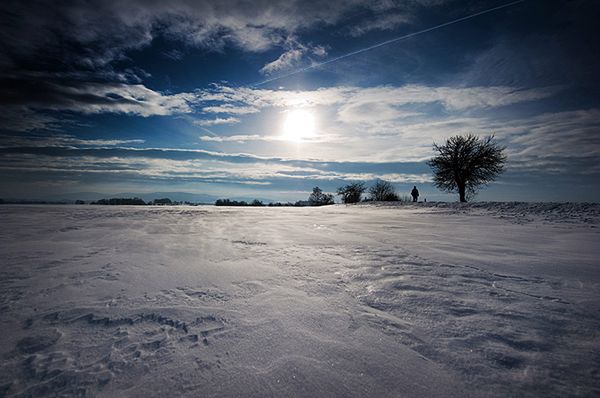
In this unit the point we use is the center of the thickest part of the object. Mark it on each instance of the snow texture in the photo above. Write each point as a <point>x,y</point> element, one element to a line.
<point>426,300</point>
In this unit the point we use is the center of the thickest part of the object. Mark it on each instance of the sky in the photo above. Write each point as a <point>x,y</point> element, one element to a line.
<point>267,99</point>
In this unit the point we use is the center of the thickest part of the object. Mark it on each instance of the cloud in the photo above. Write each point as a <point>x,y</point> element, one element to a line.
<point>375,106</point>
<point>239,138</point>
<point>319,51</point>
<point>61,140</point>
<point>190,165</point>
<point>567,135</point>
<point>106,29</point>
<point>292,58</point>
<point>287,60</point>
<point>15,119</point>
<point>451,98</point>
<point>381,22</point>
<point>90,98</point>
<point>541,143</point>
<point>372,112</point>
<point>173,54</point>
<point>216,121</point>
<point>231,109</point>
<point>399,122</point>
<point>70,56</point>
<point>264,98</point>
<point>402,122</point>
<point>355,104</point>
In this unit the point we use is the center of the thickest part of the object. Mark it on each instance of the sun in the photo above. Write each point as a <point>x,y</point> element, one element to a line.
<point>299,125</point>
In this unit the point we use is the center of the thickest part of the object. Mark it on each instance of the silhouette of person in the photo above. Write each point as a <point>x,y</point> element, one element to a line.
<point>415,193</point>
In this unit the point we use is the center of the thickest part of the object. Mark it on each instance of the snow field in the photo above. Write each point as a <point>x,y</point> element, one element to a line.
<point>433,300</point>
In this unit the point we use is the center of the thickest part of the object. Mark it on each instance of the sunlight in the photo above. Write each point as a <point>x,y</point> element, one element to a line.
<point>299,125</point>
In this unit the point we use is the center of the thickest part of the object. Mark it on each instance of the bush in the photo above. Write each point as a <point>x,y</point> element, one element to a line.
<point>229,202</point>
<point>163,201</point>
<point>383,191</point>
<point>352,193</point>
<point>120,201</point>
<point>318,198</point>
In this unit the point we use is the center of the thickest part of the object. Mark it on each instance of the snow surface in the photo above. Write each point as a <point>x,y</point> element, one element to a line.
<point>427,300</point>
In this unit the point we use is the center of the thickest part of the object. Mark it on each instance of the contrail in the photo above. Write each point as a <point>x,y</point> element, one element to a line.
<point>385,43</point>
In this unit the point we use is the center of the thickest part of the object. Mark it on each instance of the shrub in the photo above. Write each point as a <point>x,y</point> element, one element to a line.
<point>318,198</point>
<point>383,191</point>
<point>352,193</point>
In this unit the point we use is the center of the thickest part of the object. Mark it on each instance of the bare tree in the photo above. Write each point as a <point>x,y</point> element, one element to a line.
<point>352,192</point>
<point>464,163</point>
<point>318,198</point>
<point>383,191</point>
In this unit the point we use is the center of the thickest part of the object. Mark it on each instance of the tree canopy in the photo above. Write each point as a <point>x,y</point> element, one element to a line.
<point>352,192</point>
<point>383,191</point>
<point>318,198</point>
<point>465,162</point>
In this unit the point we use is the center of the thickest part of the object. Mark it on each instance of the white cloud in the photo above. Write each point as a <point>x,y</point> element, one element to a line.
<point>354,104</point>
<point>380,22</point>
<point>231,109</point>
<point>372,112</point>
<point>286,60</point>
<point>210,170</point>
<point>240,138</point>
<point>319,51</point>
<point>571,134</point>
<point>382,123</point>
<point>452,98</point>
<point>216,121</point>
<point>293,57</point>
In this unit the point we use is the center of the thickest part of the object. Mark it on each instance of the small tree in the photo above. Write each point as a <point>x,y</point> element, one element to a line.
<point>351,193</point>
<point>383,191</point>
<point>318,198</point>
<point>464,163</point>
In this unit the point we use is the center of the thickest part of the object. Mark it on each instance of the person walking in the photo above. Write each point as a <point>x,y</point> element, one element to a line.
<point>415,193</point>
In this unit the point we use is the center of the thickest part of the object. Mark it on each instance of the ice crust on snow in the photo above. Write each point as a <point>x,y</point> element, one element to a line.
<point>426,300</point>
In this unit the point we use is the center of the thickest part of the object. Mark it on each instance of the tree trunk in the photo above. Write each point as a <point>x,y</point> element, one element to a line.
<point>461,192</point>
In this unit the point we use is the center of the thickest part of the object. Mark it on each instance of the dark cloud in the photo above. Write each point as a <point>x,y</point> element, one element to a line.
<point>23,96</point>
<point>93,33</point>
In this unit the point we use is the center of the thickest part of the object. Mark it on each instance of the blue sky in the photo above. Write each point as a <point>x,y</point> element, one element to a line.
<point>137,96</point>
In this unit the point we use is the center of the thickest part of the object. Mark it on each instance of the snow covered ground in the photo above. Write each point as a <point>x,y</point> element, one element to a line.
<point>433,300</point>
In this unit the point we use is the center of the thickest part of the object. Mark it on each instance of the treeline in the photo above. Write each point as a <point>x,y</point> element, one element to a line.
<point>111,201</point>
<point>258,203</point>
<point>32,202</point>
<point>120,201</point>
<point>229,202</point>
<point>380,191</point>
<point>137,202</point>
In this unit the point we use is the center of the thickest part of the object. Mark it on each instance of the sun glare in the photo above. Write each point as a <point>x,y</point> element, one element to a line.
<point>299,125</point>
